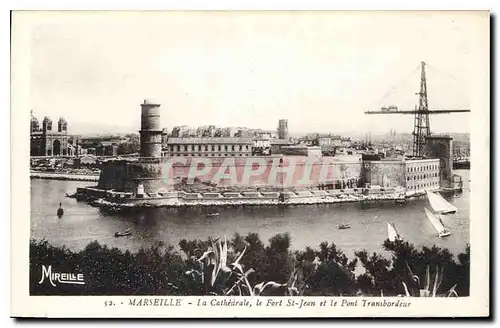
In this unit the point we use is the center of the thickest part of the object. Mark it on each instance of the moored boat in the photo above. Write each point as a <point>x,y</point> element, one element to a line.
<point>124,233</point>
<point>212,212</point>
<point>344,226</point>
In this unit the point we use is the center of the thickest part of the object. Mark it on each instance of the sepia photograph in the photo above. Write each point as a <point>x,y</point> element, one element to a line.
<point>221,160</point>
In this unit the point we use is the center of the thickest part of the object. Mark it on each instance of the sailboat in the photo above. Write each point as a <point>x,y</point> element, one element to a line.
<point>439,204</point>
<point>437,223</point>
<point>392,232</point>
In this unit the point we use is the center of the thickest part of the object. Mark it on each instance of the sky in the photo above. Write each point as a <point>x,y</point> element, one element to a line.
<point>319,70</point>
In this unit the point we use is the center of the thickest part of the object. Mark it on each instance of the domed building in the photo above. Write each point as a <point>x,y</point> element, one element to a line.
<point>35,125</point>
<point>47,142</point>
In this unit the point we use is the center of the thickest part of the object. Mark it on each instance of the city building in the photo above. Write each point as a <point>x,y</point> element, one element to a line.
<point>327,140</point>
<point>265,133</point>
<point>345,142</point>
<point>277,145</point>
<point>441,147</point>
<point>183,132</point>
<point>74,148</point>
<point>422,174</point>
<point>415,175</point>
<point>164,136</point>
<point>45,141</point>
<point>262,142</point>
<point>244,133</point>
<point>209,147</point>
<point>106,148</point>
<point>206,131</point>
<point>302,150</point>
<point>261,146</point>
<point>283,129</point>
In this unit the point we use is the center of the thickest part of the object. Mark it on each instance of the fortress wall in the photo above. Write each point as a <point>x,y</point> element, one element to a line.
<point>286,171</point>
<point>125,176</point>
<point>150,175</point>
<point>293,172</point>
<point>113,175</point>
<point>384,173</point>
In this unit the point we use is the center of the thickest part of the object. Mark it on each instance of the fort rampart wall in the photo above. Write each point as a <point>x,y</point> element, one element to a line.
<point>283,172</point>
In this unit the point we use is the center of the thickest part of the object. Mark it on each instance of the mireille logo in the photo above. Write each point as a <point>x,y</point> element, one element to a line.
<point>61,277</point>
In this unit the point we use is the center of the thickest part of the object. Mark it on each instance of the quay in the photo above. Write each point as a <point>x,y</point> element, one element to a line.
<point>178,199</point>
<point>63,176</point>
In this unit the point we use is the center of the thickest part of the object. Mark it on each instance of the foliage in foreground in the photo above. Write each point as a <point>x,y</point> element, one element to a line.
<point>245,266</point>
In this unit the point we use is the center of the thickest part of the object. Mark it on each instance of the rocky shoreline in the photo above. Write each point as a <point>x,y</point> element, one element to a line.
<point>299,201</point>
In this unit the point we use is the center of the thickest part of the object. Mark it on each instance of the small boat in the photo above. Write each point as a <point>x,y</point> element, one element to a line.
<point>392,232</point>
<point>124,233</point>
<point>344,226</point>
<point>212,212</point>
<point>437,224</point>
<point>71,196</point>
<point>439,204</point>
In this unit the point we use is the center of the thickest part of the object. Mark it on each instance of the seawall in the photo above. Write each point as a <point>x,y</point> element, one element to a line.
<point>63,176</point>
<point>230,172</point>
<point>119,200</point>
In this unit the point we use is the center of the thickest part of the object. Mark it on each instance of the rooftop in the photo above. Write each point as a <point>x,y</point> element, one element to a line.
<point>207,140</point>
<point>439,136</point>
<point>280,142</point>
<point>150,102</point>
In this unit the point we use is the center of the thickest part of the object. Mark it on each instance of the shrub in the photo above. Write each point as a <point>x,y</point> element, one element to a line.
<point>245,266</point>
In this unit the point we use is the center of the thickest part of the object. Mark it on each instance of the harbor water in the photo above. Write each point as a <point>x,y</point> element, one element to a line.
<point>308,225</point>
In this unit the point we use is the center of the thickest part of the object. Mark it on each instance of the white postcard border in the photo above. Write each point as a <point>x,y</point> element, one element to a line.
<point>69,306</point>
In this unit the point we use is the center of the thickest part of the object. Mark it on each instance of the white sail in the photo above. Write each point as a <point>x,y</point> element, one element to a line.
<point>393,234</point>
<point>439,204</point>
<point>435,221</point>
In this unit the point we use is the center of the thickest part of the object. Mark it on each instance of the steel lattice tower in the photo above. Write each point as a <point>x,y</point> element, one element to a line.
<point>421,127</point>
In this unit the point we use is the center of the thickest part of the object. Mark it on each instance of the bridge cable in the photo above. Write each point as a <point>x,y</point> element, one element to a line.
<point>399,84</point>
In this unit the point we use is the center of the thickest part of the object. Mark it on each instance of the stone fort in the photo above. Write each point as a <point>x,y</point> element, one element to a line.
<point>148,172</point>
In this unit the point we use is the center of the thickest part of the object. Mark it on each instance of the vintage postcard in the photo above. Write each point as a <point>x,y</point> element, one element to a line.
<point>250,164</point>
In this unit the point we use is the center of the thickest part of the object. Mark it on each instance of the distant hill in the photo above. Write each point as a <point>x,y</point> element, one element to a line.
<point>95,129</point>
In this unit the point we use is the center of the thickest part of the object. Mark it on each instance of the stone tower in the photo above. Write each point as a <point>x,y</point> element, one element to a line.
<point>441,146</point>
<point>62,125</point>
<point>150,129</point>
<point>283,129</point>
<point>46,124</point>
